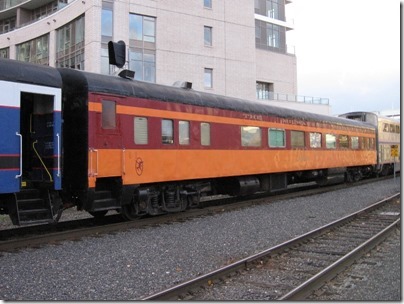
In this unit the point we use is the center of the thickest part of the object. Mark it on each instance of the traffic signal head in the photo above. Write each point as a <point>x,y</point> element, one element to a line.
<point>117,53</point>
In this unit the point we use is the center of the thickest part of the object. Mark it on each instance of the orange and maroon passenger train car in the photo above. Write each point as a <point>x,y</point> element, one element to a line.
<point>149,148</point>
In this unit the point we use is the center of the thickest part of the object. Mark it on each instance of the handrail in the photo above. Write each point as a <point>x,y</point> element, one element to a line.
<point>96,162</point>
<point>268,95</point>
<point>58,155</point>
<point>19,175</point>
<point>40,159</point>
<point>123,162</point>
<point>95,171</point>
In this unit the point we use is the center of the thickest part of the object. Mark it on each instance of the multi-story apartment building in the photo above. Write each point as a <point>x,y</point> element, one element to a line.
<point>229,47</point>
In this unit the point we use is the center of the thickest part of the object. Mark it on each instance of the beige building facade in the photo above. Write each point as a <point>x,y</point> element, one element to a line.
<point>230,47</point>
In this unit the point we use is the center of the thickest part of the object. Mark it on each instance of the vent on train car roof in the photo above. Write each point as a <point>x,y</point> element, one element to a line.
<point>128,74</point>
<point>183,84</point>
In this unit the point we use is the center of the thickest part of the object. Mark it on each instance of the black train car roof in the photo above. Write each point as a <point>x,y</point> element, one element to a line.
<point>23,72</point>
<point>12,70</point>
<point>127,87</point>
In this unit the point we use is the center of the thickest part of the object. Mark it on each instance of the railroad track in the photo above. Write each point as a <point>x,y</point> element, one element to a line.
<point>293,270</point>
<point>35,236</point>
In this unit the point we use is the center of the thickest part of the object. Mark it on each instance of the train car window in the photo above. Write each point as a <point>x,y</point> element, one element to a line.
<point>251,137</point>
<point>355,142</point>
<point>108,114</point>
<point>276,138</point>
<point>398,129</point>
<point>330,141</point>
<point>366,143</point>
<point>297,139</point>
<point>315,140</point>
<point>371,143</point>
<point>167,131</point>
<point>361,143</point>
<point>205,134</point>
<point>343,141</point>
<point>141,131</point>
<point>385,127</point>
<point>392,129</point>
<point>183,129</point>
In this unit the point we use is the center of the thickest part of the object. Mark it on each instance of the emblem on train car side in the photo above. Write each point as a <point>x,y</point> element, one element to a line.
<point>139,166</point>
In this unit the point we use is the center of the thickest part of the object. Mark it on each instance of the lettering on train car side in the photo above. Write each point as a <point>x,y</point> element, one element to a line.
<point>253,116</point>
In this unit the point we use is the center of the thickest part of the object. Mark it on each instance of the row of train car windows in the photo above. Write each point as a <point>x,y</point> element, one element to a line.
<point>141,133</point>
<point>391,128</point>
<point>250,136</point>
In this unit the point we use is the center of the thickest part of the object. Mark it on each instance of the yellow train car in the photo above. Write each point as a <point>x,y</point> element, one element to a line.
<point>387,140</point>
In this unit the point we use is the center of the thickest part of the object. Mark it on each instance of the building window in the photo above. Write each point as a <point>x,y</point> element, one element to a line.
<point>207,3</point>
<point>273,35</point>
<point>167,131</point>
<point>108,114</point>
<point>251,136</point>
<point>107,21</point>
<point>297,139</point>
<point>265,90</point>
<point>208,35</point>
<point>270,36</point>
<point>7,25</point>
<point>205,134</point>
<point>208,78</point>
<point>315,140</point>
<point>35,51</point>
<point>141,131</point>
<point>5,53</point>
<point>271,8</point>
<point>183,132</point>
<point>106,34</point>
<point>45,10</point>
<point>70,45</point>
<point>142,47</point>
<point>276,138</point>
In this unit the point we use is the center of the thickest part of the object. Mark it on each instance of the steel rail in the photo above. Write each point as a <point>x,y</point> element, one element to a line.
<point>205,279</point>
<point>303,290</point>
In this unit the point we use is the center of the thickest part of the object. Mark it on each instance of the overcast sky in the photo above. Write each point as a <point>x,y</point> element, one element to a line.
<point>348,51</point>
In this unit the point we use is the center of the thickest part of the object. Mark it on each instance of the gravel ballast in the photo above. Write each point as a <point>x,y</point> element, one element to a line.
<point>133,264</point>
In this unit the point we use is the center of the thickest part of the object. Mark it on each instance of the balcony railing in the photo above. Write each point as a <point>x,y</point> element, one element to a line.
<point>294,98</point>
<point>6,4</point>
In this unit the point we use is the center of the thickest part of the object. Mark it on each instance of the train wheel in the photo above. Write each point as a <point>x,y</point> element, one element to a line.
<point>357,176</point>
<point>129,212</point>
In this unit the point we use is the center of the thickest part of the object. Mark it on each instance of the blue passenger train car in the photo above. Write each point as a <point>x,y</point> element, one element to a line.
<point>30,141</point>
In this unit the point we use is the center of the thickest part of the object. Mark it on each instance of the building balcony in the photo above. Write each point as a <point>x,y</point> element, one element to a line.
<point>288,25</point>
<point>267,95</point>
<point>18,13</point>
<point>7,4</point>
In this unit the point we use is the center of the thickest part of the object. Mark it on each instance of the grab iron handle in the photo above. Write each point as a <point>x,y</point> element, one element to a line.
<point>20,136</point>
<point>93,172</point>
<point>96,163</point>
<point>58,173</point>
<point>123,162</point>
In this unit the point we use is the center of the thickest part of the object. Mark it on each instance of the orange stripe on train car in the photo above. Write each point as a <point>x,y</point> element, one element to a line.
<point>149,166</point>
